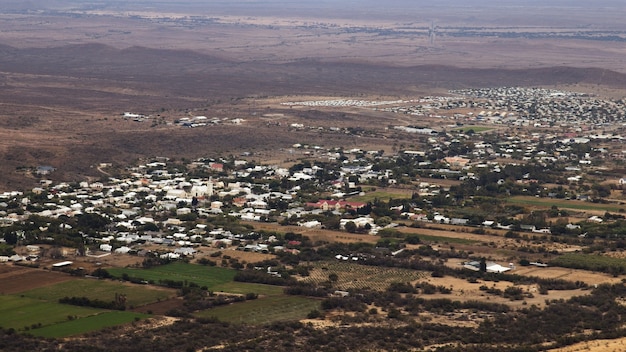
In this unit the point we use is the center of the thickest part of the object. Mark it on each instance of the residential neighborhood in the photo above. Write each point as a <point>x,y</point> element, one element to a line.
<point>170,203</point>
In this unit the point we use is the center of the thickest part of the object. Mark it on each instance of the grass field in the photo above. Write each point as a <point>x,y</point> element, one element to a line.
<point>476,129</point>
<point>87,324</point>
<point>20,312</point>
<point>208,276</point>
<point>136,295</point>
<point>564,204</point>
<point>351,275</point>
<point>382,195</point>
<point>214,278</point>
<point>266,310</point>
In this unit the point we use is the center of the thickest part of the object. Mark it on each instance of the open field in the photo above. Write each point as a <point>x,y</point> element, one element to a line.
<point>105,290</point>
<point>565,204</point>
<point>589,277</point>
<point>178,271</point>
<point>16,279</point>
<point>264,310</point>
<point>384,195</point>
<point>316,234</point>
<point>88,324</point>
<point>463,291</point>
<point>20,312</point>
<point>476,129</point>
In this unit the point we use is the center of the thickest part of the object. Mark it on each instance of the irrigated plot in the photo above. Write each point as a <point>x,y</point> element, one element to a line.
<point>23,313</point>
<point>198,274</point>
<point>104,290</point>
<point>87,324</point>
<point>265,310</point>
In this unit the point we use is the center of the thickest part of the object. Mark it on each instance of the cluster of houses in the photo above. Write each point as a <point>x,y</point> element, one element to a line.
<point>516,106</point>
<point>157,204</point>
<point>201,121</point>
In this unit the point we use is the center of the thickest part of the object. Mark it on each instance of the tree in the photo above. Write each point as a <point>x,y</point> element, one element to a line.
<point>350,226</point>
<point>483,265</point>
<point>383,221</point>
<point>10,238</point>
<point>92,221</point>
<point>333,277</point>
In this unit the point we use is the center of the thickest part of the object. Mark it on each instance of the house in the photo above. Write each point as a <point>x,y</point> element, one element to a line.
<point>490,266</point>
<point>44,170</point>
<point>335,205</point>
<point>457,221</point>
<point>62,264</point>
<point>595,218</point>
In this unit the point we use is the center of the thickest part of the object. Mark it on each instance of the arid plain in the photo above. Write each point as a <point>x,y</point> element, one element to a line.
<point>69,71</point>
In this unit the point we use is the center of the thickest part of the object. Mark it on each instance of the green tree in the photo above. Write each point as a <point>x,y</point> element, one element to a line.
<point>350,226</point>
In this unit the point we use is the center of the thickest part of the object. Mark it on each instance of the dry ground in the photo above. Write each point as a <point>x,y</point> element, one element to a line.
<point>14,279</point>
<point>67,76</point>
<point>617,345</point>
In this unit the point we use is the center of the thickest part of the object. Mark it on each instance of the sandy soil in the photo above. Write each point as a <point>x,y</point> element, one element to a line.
<point>617,345</point>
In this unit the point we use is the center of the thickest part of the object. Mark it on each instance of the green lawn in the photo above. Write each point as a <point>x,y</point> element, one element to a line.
<point>20,312</point>
<point>105,290</point>
<point>264,310</point>
<point>87,324</point>
<point>564,204</point>
<point>202,275</point>
<point>382,195</point>
<point>476,129</point>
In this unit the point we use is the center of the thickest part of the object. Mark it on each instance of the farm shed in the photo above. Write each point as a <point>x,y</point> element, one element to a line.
<point>62,264</point>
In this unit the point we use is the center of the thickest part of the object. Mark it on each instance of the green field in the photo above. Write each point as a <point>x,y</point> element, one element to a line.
<point>208,276</point>
<point>382,195</point>
<point>265,310</point>
<point>564,204</point>
<point>87,324</point>
<point>20,312</point>
<point>476,129</point>
<point>592,262</point>
<point>136,295</point>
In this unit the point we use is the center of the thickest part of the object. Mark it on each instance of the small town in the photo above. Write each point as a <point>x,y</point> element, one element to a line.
<point>502,210</point>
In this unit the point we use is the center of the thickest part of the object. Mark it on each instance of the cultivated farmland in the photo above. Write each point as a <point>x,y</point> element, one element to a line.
<point>211,277</point>
<point>355,276</point>
<point>87,324</point>
<point>23,313</point>
<point>266,310</point>
<point>103,290</point>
